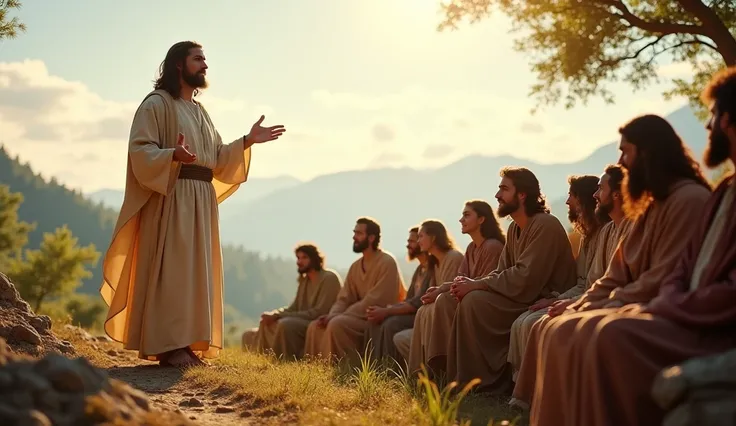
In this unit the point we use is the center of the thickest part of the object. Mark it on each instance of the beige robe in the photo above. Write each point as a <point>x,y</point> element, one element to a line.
<point>163,279</point>
<point>285,337</point>
<point>377,282</point>
<point>433,322</point>
<point>608,240</point>
<point>522,326</point>
<point>597,367</point>
<point>536,263</point>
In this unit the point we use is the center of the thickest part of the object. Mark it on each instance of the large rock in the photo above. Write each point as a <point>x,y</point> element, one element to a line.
<point>700,391</point>
<point>56,390</point>
<point>23,330</point>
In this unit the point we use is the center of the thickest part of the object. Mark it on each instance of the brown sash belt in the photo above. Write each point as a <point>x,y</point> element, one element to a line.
<point>193,172</point>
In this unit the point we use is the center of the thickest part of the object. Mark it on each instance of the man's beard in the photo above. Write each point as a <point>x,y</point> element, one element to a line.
<point>636,190</point>
<point>572,214</point>
<point>505,209</point>
<point>360,246</point>
<point>603,210</point>
<point>304,270</point>
<point>718,149</point>
<point>196,80</point>
<point>412,253</point>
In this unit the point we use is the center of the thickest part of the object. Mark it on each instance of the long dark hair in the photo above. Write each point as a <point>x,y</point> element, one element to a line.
<point>526,182</point>
<point>442,239</point>
<point>583,188</point>
<point>490,228</point>
<point>316,258</point>
<point>661,160</point>
<point>169,72</point>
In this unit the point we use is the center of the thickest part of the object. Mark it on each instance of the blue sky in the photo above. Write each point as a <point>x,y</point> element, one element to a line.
<point>358,84</point>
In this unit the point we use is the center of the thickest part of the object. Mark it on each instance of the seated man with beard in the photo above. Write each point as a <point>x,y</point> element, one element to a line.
<point>372,280</point>
<point>582,215</point>
<point>389,320</point>
<point>283,331</point>
<point>610,203</point>
<point>595,365</point>
<point>536,263</point>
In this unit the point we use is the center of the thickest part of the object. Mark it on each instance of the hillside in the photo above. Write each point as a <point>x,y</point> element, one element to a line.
<point>252,282</point>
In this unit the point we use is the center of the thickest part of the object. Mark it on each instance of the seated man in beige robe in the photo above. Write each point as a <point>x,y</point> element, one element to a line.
<point>609,202</point>
<point>582,215</point>
<point>372,280</point>
<point>283,331</point>
<point>426,343</point>
<point>389,320</point>
<point>536,263</point>
<point>597,367</point>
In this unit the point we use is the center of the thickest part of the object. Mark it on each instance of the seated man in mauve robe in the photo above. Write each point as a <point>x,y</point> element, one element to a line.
<point>582,215</point>
<point>372,280</point>
<point>536,263</point>
<point>595,366</point>
<point>389,320</point>
<point>609,202</point>
<point>426,343</point>
<point>283,331</point>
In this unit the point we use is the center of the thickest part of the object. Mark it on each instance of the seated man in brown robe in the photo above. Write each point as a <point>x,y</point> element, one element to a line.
<point>389,320</point>
<point>582,214</point>
<point>609,202</point>
<point>536,263</point>
<point>283,331</point>
<point>426,343</point>
<point>373,279</point>
<point>595,365</point>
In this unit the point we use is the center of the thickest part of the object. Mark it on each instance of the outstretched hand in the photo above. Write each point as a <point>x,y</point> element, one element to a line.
<point>260,134</point>
<point>182,153</point>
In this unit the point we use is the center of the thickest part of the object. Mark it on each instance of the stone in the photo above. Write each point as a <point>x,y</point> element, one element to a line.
<point>224,409</point>
<point>41,323</point>
<point>24,333</point>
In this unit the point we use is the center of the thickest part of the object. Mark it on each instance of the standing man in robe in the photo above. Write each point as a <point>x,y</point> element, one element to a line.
<point>536,263</point>
<point>616,353</point>
<point>283,331</point>
<point>582,214</point>
<point>163,279</point>
<point>609,201</point>
<point>389,320</point>
<point>373,280</point>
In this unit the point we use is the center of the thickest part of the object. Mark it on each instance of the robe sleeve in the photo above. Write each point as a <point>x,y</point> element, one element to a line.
<point>416,299</point>
<point>383,292</point>
<point>677,225</point>
<point>581,281</point>
<point>524,280</point>
<point>233,162</point>
<point>326,296</point>
<point>154,167</point>
<point>347,296</point>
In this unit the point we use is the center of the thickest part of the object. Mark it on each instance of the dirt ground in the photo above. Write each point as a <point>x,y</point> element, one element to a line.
<point>165,386</point>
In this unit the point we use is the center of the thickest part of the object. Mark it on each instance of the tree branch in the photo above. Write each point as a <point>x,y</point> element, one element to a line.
<point>662,28</point>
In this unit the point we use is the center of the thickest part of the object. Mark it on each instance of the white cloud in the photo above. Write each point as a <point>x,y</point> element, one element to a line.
<point>65,130</point>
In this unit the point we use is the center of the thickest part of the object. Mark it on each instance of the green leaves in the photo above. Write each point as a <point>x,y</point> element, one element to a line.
<point>578,47</point>
<point>10,27</point>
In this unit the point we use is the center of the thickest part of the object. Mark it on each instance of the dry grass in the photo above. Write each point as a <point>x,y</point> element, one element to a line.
<point>312,392</point>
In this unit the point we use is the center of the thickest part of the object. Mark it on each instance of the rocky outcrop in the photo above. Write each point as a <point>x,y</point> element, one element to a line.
<point>23,330</point>
<point>700,391</point>
<point>56,390</point>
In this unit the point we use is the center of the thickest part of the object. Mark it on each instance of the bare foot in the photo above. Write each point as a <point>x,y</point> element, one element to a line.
<point>181,358</point>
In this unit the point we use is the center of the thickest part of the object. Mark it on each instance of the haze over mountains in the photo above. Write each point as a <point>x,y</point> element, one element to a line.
<point>272,215</point>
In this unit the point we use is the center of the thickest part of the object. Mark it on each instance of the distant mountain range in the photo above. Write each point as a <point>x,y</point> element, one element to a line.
<point>272,215</point>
